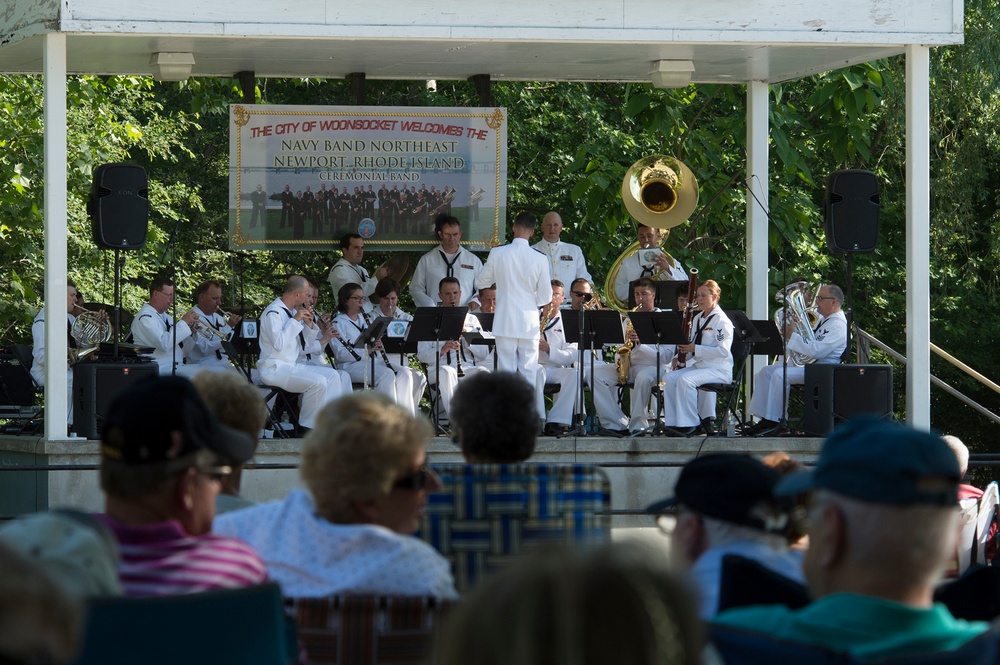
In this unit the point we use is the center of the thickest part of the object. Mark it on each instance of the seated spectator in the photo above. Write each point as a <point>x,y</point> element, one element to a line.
<point>965,491</point>
<point>724,506</point>
<point>785,464</point>
<point>75,549</point>
<point>40,622</point>
<point>238,404</point>
<point>367,480</point>
<point>882,528</point>
<point>615,604</point>
<point>494,418</point>
<point>163,457</point>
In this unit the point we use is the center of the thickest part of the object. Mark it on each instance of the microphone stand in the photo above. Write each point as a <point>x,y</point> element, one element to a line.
<point>580,424</point>
<point>169,249</point>
<point>785,246</point>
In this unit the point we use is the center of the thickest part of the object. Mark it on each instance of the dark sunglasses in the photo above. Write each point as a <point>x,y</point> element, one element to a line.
<point>417,481</point>
<point>578,294</point>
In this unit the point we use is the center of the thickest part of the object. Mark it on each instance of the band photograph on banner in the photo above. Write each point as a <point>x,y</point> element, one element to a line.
<point>300,177</point>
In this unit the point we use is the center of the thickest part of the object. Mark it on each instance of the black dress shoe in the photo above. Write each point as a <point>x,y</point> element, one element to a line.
<point>611,433</point>
<point>681,431</point>
<point>707,426</point>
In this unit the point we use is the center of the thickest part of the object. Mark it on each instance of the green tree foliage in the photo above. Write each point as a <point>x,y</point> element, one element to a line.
<point>569,147</point>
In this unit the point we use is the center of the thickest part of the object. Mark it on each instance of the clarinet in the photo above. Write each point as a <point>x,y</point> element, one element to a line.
<point>347,346</point>
<point>385,356</point>
<point>458,360</point>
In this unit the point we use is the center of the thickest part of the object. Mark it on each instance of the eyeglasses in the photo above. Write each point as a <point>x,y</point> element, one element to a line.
<point>216,473</point>
<point>579,294</point>
<point>358,298</point>
<point>416,481</point>
<point>825,298</point>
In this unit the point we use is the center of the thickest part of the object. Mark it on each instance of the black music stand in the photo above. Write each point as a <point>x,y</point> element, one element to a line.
<point>368,338</point>
<point>590,329</point>
<point>666,293</point>
<point>658,328</point>
<point>486,322</point>
<point>437,324</point>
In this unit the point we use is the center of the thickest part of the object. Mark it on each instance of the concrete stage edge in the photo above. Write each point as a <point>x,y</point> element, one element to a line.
<point>640,469</point>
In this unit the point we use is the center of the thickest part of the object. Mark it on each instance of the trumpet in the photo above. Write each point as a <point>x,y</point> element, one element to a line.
<point>208,331</point>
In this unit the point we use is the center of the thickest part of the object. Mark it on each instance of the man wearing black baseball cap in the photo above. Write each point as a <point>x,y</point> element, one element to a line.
<point>163,456</point>
<point>724,506</point>
<point>883,525</point>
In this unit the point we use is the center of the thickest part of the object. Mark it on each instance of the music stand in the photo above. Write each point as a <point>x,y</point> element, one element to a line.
<point>658,328</point>
<point>666,293</point>
<point>590,329</point>
<point>486,322</point>
<point>395,339</point>
<point>772,343</point>
<point>437,324</point>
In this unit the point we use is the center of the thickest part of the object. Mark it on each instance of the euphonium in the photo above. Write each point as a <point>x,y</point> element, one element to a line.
<point>623,356</point>
<point>803,317</point>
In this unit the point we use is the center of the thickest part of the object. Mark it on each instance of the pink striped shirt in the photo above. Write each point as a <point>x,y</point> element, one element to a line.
<point>162,559</point>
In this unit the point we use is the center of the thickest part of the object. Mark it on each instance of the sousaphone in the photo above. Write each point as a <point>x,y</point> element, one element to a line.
<point>660,191</point>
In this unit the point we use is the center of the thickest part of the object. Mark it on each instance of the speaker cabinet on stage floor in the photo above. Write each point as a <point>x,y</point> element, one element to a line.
<point>95,386</point>
<point>836,393</point>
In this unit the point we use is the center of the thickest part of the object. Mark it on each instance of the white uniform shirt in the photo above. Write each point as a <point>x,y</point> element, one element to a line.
<point>830,340</point>
<point>637,266</point>
<point>522,278</point>
<point>715,347</point>
<point>561,353</point>
<point>38,344</point>
<point>345,272</point>
<point>311,557</point>
<point>349,332</point>
<point>566,262</point>
<point>150,328</point>
<point>279,338</point>
<point>471,354</point>
<point>433,267</point>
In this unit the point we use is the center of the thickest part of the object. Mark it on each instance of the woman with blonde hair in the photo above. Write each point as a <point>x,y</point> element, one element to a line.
<point>367,480</point>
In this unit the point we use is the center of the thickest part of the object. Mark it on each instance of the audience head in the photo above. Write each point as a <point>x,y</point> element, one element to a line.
<point>163,455</point>
<point>960,450</point>
<point>883,521</point>
<point>494,417</point>
<point>723,497</point>
<point>39,621</point>
<point>235,402</point>
<point>365,463</point>
<point>616,603</point>
<point>76,550</point>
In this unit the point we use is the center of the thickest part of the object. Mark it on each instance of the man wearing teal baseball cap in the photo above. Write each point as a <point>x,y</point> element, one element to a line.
<point>882,526</point>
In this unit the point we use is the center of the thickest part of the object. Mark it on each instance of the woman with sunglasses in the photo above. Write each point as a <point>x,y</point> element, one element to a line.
<point>366,476</point>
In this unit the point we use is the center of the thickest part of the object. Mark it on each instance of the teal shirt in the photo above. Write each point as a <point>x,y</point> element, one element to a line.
<point>866,627</point>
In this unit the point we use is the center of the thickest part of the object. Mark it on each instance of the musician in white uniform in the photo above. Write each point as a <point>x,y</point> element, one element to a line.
<point>38,345</point>
<point>206,351</point>
<point>648,261</point>
<point>522,278</point>
<point>351,321</point>
<point>566,262</point>
<point>317,335</point>
<point>452,359</point>
<point>387,293</point>
<point>153,327</point>
<point>348,270</point>
<point>449,259</point>
<point>556,358</point>
<point>709,360</point>
<point>282,337</point>
<point>830,340</point>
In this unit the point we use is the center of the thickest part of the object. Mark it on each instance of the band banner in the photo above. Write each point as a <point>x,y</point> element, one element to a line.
<point>300,177</point>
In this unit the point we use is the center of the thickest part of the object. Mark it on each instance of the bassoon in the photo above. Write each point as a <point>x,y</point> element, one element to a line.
<point>689,311</point>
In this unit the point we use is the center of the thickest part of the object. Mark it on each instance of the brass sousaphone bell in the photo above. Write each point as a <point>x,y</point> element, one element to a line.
<point>660,191</point>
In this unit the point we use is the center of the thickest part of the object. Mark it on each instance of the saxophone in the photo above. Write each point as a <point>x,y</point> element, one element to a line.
<point>623,356</point>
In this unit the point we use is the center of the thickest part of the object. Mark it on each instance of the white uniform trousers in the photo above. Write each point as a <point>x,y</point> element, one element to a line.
<point>681,394</point>
<point>767,396</point>
<point>317,385</point>
<point>643,380</point>
<point>515,354</point>
<point>605,394</point>
<point>449,382</point>
<point>417,381</point>
<point>563,401</point>
<point>397,385</point>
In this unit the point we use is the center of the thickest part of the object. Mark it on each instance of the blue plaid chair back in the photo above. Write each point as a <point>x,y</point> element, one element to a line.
<point>486,514</point>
